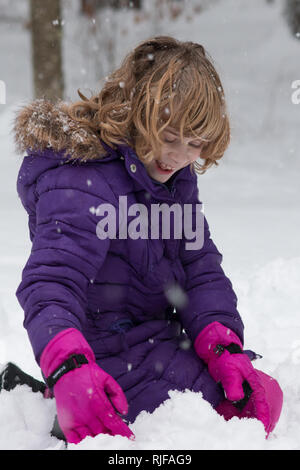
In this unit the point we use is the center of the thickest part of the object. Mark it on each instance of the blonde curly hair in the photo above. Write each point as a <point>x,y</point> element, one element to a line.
<point>162,82</point>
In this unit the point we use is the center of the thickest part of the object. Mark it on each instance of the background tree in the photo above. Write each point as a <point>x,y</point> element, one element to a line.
<point>46,34</point>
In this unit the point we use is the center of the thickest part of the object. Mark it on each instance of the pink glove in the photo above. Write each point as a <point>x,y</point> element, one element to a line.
<point>235,372</point>
<point>274,397</point>
<point>87,398</point>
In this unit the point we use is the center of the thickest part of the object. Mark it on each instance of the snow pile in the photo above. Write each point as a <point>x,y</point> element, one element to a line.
<point>26,420</point>
<point>163,429</point>
<point>251,202</point>
<point>183,422</point>
<point>269,302</point>
<point>186,421</point>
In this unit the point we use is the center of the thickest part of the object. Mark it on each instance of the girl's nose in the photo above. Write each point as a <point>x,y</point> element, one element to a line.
<point>182,155</point>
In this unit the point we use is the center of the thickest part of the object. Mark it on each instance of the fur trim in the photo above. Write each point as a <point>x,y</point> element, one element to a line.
<point>42,124</point>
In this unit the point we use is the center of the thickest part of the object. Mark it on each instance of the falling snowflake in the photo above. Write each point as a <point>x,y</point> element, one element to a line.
<point>176,296</point>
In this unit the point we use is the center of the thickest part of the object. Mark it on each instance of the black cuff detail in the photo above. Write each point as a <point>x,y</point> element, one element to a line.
<point>73,362</point>
<point>247,394</point>
<point>233,348</point>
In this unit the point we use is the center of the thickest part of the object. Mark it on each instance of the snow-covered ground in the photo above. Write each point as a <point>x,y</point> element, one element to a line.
<point>251,201</point>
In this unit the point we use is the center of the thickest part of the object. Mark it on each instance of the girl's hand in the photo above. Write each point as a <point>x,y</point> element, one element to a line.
<point>88,400</point>
<point>222,350</point>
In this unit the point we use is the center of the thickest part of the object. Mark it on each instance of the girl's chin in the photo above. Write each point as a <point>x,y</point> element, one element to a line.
<point>160,178</point>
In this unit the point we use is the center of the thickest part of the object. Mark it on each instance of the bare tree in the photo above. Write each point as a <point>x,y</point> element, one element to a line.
<point>88,7</point>
<point>46,34</point>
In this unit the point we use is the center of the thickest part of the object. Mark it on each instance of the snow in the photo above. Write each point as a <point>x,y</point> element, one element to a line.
<point>251,201</point>
<point>26,419</point>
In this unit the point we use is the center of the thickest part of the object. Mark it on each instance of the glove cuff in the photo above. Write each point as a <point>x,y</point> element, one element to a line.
<point>213,335</point>
<point>65,344</point>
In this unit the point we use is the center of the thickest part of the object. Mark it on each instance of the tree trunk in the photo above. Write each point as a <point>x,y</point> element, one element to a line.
<point>88,7</point>
<point>46,34</point>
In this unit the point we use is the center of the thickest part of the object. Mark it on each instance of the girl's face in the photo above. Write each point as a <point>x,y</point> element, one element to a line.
<point>174,155</point>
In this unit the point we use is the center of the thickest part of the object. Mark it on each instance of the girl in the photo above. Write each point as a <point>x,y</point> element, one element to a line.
<point>117,320</point>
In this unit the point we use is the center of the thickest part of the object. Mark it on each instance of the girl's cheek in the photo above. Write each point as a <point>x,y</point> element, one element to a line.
<point>198,153</point>
<point>195,156</point>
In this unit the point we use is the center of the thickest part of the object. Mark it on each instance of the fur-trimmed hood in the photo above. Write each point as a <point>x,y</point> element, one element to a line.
<point>42,124</point>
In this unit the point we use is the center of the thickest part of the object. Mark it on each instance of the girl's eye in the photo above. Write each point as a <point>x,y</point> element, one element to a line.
<point>196,146</point>
<point>169,141</point>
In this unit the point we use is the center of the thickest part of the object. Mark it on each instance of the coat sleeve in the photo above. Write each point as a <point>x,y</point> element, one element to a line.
<point>66,254</point>
<point>209,295</point>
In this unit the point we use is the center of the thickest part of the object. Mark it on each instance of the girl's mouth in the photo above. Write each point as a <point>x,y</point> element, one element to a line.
<point>163,168</point>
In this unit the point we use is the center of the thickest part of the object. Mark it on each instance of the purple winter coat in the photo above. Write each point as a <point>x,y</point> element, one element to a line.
<point>114,291</point>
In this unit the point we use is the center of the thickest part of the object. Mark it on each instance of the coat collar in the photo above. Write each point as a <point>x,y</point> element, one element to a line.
<point>180,189</point>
